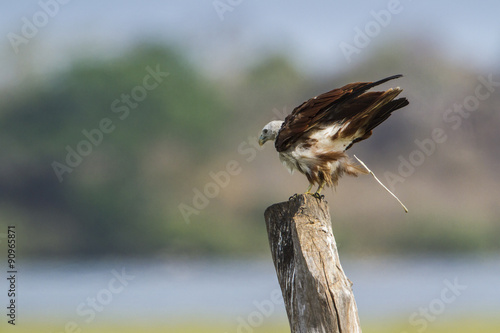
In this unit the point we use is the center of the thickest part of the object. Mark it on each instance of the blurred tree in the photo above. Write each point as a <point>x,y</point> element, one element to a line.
<point>102,204</point>
<point>144,129</point>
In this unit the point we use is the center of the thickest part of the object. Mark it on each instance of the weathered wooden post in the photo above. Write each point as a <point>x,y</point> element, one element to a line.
<point>318,296</point>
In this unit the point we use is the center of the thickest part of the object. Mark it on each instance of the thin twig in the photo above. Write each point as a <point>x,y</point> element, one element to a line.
<point>371,172</point>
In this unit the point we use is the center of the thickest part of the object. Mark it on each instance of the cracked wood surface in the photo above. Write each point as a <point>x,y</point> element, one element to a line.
<point>318,296</point>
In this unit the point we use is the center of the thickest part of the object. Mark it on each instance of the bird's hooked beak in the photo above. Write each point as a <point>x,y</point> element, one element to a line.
<point>262,140</point>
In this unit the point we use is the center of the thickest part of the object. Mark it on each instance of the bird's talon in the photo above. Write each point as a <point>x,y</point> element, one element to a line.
<point>293,197</point>
<point>318,196</point>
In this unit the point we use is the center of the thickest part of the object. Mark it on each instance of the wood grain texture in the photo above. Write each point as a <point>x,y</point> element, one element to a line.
<point>318,296</point>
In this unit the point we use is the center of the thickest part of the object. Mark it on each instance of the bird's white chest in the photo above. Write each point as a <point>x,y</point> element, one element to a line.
<point>304,155</point>
<point>288,161</point>
<point>300,156</point>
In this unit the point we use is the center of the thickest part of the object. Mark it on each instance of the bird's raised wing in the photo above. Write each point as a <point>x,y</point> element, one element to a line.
<point>351,106</point>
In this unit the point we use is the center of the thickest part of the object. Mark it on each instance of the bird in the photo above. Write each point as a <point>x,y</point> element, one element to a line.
<point>315,136</point>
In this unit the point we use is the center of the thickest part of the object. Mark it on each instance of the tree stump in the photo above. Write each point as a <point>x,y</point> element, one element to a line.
<point>318,296</point>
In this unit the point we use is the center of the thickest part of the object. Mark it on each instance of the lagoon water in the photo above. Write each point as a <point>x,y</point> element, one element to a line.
<point>177,290</point>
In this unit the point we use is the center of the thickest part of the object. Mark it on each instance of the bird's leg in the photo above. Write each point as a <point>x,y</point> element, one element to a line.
<point>309,189</point>
<point>321,187</point>
<point>318,191</point>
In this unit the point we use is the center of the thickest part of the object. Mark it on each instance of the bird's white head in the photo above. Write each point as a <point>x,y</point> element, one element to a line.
<point>270,131</point>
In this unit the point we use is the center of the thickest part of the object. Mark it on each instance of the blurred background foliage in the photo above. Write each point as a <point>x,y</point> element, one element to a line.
<point>136,202</point>
<point>104,205</point>
<point>123,199</point>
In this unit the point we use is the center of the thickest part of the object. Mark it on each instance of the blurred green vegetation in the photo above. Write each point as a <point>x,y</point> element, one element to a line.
<point>393,326</point>
<point>122,199</point>
<point>104,205</point>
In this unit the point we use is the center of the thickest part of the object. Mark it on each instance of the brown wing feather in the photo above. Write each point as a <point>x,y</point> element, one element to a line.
<point>351,102</point>
<point>364,122</point>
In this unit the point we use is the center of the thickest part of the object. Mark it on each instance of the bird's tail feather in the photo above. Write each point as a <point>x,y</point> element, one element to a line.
<point>383,109</point>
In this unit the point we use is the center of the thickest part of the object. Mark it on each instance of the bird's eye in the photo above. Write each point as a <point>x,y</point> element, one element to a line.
<point>264,131</point>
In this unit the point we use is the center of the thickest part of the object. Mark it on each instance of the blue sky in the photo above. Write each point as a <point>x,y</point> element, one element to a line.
<point>310,32</point>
